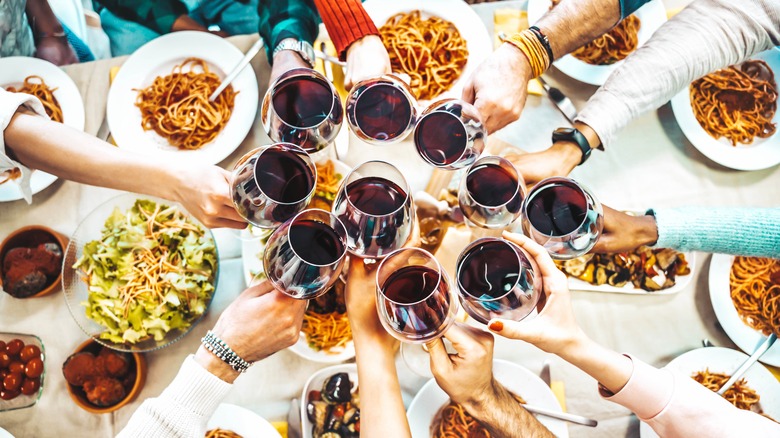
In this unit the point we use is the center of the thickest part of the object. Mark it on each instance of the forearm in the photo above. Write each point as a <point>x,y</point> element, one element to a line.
<point>706,36</point>
<point>346,21</point>
<point>611,369</point>
<point>286,19</point>
<point>55,148</point>
<point>41,18</point>
<point>158,15</point>
<point>574,23</point>
<point>504,416</point>
<point>381,405</point>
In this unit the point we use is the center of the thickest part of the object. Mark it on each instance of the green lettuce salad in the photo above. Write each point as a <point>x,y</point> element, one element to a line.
<point>152,271</point>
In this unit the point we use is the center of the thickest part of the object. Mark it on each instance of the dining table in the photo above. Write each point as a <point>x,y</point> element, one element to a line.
<point>651,164</point>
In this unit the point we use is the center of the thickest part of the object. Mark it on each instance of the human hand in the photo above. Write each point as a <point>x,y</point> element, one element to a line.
<point>623,232</point>
<point>284,61</point>
<point>204,191</point>
<point>558,160</point>
<point>361,307</point>
<point>499,86</point>
<point>366,59</point>
<point>260,322</point>
<point>56,50</point>
<point>554,329</point>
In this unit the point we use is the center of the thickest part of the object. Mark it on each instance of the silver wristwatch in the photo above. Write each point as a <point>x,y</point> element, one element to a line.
<point>303,48</point>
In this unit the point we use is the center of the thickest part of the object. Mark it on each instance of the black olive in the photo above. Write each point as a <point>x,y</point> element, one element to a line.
<point>337,389</point>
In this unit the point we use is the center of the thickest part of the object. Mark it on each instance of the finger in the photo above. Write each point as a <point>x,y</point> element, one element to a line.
<point>508,328</point>
<point>440,359</point>
<point>258,290</point>
<point>462,339</point>
<point>540,255</point>
<point>230,213</point>
<point>469,93</point>
<point>226,223</point>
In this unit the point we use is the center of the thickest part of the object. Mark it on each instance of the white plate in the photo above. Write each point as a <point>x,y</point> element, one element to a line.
<point>726,360</point>
<point>514,377</point>
<point>761,154</point>
<point>745,337</point>
<point>458,13</point>
<point>681,283</point>
<point>157,58</point>
<point>241,421</point>
<point>5,434</point>
<point>13,70</point>
<point>251,256</point>
<point>315,383</point>
<point>652,15</point>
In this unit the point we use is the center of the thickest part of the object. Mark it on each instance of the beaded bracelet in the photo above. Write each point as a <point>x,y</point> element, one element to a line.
<point>219,348</point>
<point>533,49</point>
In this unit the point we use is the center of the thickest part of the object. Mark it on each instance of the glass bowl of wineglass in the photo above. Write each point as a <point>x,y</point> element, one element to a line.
<point>302,107</point>
<point>563,216</point>
<point>305,256</point>
<point>497,279</point>
<point>381,111</point>
<point>492,192</point>
<point>271,184</point>
<point>375,205</point>
<point>450,134</point>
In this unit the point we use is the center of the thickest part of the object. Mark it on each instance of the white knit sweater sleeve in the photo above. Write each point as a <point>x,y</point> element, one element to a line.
<point>184,407</point>
<point>705,36</point>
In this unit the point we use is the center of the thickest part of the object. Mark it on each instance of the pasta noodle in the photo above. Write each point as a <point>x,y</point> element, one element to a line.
<point>325,323</point>
<point>177,106</point>
<point>431,51</point>
<point>755,292</point>
<point>452,421</point>
<point>36,86</point>
<point>327,185</point>
<point>737,102</point>
<point>222,433</point>
<point>9,175</point>
<point>739,395</point>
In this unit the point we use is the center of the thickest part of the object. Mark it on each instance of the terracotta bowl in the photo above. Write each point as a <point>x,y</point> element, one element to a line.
<point>35,235</point>
<point>137,367</point>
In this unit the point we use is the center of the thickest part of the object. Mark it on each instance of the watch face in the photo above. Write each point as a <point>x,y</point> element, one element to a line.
<point>564,131</point>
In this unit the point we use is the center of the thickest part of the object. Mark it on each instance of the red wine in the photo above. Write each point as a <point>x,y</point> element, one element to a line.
<point>383,112</point>
<point>492,185</point>
<point>283,176</point>
<point>315,242</point>
<point>557,209</point>
<point>420,304</point>
<point>303,102</point>
<point>376,195</point>
<point>440,137</point>
<point>489,270</point>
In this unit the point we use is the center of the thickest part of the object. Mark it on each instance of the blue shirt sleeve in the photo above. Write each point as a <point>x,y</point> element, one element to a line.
<point>628,7</point>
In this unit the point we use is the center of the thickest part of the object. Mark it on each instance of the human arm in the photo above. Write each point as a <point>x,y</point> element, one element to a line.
<point>381,406</point>
<point>467,377</point>
<point>158,15</point>
<point>280,19</point>
<point>185,406</point>
<point>50,41</point>
<point>725,230</point>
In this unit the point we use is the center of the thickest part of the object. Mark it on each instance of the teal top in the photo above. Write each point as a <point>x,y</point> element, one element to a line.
<point>628,7</point>
<point>726,230</point>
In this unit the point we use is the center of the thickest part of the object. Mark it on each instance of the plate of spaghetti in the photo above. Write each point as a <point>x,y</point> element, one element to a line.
<point>730,115</point>
<point>61,100</point>
<point>745,294</point>
<point>231,421</point>
<point>437,43</point>
<point>159,104</point>
<point>432,413</point>
<point>757,391</point>
<point>595,61</point>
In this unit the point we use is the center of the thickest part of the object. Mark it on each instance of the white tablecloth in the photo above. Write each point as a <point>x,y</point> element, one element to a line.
<point>651,165</point>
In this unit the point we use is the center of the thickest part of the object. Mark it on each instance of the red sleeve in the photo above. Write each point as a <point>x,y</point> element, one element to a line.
<point>346,21</point>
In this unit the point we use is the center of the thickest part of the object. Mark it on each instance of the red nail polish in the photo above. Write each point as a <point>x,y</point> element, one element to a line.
<point>496,326</point>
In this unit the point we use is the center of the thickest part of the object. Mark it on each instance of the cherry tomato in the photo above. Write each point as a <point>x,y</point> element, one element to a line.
<point>31,386</point>
<point>12,382</point>
<point>5,359</point>
<point>34,368</point>
<point>13,347</point>
<point>8,395</point>
<point>2,346</point>
<point>16,367</point>
<point>3,373</point>
<point>29,352</point>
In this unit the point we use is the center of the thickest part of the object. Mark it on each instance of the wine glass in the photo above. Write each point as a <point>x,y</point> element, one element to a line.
<point>497,279</point>
<point>375,206</point>
<point>270,184</point>
<point>302,107</point>
<point>381,110</point>
<point>450,134</point>
<point>491,194</point>
<point>305,256</point>
<point>563,216</point>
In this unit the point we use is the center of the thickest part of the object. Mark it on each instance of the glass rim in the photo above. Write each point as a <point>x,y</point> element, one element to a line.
<point>296,73</point>
<point>352,102</point>
<point>544,184</point>
<point>406,189</point>
<point>500,160</point>
<point>425,253</point>
<point>424,156</point>
<point>307,159</point>
<point>330,216</point>
<point>472,245</point>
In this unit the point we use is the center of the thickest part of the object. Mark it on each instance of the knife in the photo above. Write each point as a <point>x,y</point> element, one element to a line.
<point>578,419</point>
<point>294,420</point>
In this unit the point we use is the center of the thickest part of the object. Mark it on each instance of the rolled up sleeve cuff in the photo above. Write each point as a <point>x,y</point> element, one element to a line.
<point>648,391</point>
<point>605,113</point>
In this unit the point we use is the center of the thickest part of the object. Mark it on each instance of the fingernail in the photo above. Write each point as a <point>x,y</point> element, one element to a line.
<point>496,326</point>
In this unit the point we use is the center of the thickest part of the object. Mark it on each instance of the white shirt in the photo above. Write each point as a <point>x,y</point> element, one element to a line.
<point>9,104</point>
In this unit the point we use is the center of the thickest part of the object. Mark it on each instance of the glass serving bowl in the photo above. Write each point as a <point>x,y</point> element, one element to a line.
<point>24,401</point>
<point>76,290</point>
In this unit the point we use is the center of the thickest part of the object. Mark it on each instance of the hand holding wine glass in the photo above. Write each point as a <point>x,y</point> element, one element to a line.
<point>204,191</point>
<point>624,232</point>
<point>360,295</point>
<point>367,58</point>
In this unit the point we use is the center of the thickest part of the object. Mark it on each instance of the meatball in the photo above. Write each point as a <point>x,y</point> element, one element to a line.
<point>115,364</point>
<point>104,391</point>
<point>79,368</point>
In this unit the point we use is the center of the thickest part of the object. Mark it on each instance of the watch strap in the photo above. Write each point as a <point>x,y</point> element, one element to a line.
<point>303,48</point>
<point>573,135</point>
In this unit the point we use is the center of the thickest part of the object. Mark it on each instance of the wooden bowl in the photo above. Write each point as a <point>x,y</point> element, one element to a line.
<point>33,235</point>
<point>137,367</point>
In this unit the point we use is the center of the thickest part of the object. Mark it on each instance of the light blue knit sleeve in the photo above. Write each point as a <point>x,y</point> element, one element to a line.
<point>726,230</point>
